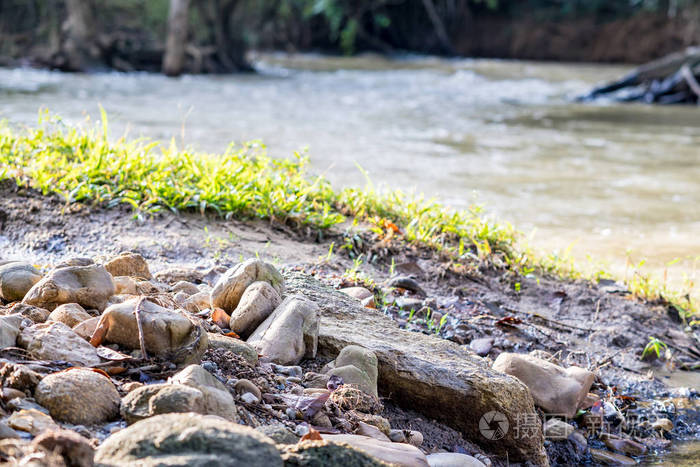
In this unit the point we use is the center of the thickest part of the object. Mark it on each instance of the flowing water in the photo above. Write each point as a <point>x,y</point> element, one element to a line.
<point>610,179</point>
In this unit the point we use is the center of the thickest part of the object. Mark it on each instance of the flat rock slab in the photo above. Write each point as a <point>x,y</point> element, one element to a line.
<point>433,376</point>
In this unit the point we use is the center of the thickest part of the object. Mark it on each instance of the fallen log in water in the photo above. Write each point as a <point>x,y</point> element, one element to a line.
<point>672,79</point>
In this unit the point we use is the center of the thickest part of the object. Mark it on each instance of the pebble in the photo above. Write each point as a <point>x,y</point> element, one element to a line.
<point>288,370</point>
<point>397,436</point>
<point>249,398</point>
<point>211,367</point>
<point>244,386</point>
<point>626,446</point>
<point>481,346</point>
<point>293,379</point>
<point>291,413</point>
<point>415,438</point>
<point>405,282</point>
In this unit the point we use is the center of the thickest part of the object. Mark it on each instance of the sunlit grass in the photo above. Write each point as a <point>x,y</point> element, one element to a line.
<point>81,164</point>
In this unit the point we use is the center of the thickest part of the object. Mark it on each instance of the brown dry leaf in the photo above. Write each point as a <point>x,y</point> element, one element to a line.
<point>232,334</point>
<point>220,317</point>
<point>312,435</point>
<point>115,370</point>
<point>96,370</point>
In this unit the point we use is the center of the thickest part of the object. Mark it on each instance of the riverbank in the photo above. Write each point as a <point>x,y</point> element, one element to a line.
<point>442,276</point>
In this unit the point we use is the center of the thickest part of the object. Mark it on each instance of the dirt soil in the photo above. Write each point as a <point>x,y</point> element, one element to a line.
<point>597,326</point>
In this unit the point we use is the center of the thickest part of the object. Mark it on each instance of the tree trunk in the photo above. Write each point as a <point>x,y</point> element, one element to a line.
<point>80,47</point>
<point>174,58</point>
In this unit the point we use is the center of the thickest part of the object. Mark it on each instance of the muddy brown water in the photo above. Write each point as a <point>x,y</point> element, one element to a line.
<point>607,179</point>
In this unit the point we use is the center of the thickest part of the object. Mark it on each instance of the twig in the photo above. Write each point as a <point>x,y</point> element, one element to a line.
<point>142,341</point>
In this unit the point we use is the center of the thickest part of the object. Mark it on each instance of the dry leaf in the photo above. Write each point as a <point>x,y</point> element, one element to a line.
<point>220,317</point>
<point>232,334</point>
<point>312,435</point>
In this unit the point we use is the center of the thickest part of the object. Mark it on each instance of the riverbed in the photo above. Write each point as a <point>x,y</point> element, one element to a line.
<point>618,183</point>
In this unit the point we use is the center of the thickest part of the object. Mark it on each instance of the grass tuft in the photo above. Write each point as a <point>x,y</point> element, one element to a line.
<point>82,164</point>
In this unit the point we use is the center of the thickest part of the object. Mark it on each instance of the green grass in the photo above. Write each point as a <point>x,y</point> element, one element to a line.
<point>81,164</point>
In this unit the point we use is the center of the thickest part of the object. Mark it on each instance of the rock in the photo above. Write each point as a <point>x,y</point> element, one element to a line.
<point>237,346</point>
<point>625,446</point>
<point>292,370</point>
<point>610,458</point>
<point>578,439</point>
<point>555,389</point>
<point>75,450</point>
<point>322,420</point>
<point>315,380</point>
<point>125,285</point>
<point>435,376</point>
<point>414,437</point>
<point>156,399</point>
<point>365,429</point>
<point>557,429</point>
<point>25,404</point>
<point>7,432</point>
<point>128,264</point>
<point>9,330</point>
<point>453,459</point>
<point>16,279</point>
<point>18,377</point>
<point>197,302</point>
<point>405,282</point>
<point>177,274</point>
<point>165,332</point>
<point>188,440</point>
<point>183,286</point>
<point>11,393</point>
<point>217,399</point>
<point>31,421</point>
<point>324,453</point>
<point>408,303</point>
<point>56,341</point>
<point>89,286</point>
<point>87,328</point>
<point>257,303</point>
<point>230,287</point>
<point>397,436</point>
<point>290,333</point>
<point>34,313</point>
<point>243,386</point>
<point>663,424</point>
<point>70,262</point>
<point>279,433</point>
<point>70,314</point>
<point>391,453</point>
<point>358,366</point>
<point>481,346</point>
<point>250,398</point>
<point>588,401</point>
<point>359,293</point>
<point>79,396</point>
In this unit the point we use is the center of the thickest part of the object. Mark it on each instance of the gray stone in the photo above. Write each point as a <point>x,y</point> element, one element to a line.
<point>257,303</point>
<point>217,399</point>
<point>184,286</point>
<point>290,333</point>
<point>279,433</point>
<point>324,453</point>
<point>70,314</point>
<point>16,279</point>
<point>453,459</point>
<point>9,330</point>
<point>157,399</point>
<point>78,396</point>
<point>431,375</point>
<point>358,366</point>
<point>166,332</point>
<point>237,346</point>
<point>188,440</point>
<point>557,390</point>
<point>128,264</point>
<point>391,453</point>
<point>56,341</point>
<point>230,286</point>
<point>89,286</point>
